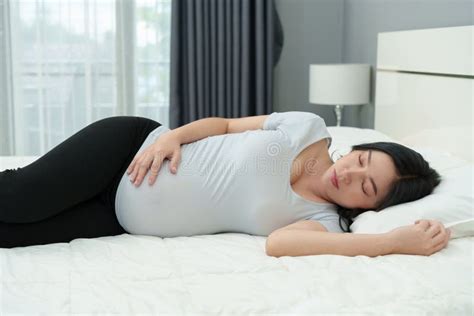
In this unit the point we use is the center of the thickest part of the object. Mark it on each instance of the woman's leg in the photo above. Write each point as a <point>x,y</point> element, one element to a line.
<point>85,165</point>
<point>89,219</point>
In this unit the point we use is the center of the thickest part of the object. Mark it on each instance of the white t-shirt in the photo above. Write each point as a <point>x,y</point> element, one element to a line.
<point>237,182</point>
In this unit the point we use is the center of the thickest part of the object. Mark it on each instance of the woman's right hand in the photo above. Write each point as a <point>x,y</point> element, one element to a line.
<point>166,146</point>
<point>424,238</point>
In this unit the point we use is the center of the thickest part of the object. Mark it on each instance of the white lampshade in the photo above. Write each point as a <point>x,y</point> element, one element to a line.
<point>339,84</point>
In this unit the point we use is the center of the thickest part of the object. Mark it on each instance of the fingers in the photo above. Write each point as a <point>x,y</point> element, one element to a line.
<point>434,230</point>
<point>133,163</point>
<point>141,165</point>
<point>141,168</point>
<point>444,242</point>
<point>175,161</point>
<point>425,224</point>
<point>438,233</point>
<point>133,168</point>
<point>155,168</point>
<point>442,236</point>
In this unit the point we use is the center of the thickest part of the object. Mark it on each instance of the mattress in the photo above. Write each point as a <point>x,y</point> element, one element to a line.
<point>224,274</point>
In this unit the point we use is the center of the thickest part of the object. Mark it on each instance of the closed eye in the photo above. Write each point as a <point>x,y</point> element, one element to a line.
<point>360,162</point>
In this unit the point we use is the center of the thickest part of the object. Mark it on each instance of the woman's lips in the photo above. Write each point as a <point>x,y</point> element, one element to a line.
<point>334,179</point>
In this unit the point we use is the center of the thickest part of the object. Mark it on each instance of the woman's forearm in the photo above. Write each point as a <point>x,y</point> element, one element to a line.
<point>309,242</point>
<point>200,129</point>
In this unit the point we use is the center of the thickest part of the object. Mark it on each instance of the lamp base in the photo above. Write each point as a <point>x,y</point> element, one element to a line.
<point>338,111</point>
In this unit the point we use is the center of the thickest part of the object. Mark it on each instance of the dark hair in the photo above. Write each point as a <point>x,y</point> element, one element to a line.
<point>416,179</point>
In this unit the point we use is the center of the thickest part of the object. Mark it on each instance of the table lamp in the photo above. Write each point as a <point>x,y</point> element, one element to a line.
<point>339,85</point>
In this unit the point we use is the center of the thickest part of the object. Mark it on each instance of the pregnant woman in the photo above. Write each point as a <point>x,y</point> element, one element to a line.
<point>268,175</point>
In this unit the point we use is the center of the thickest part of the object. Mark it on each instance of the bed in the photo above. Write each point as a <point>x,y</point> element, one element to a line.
<point>231,274</point>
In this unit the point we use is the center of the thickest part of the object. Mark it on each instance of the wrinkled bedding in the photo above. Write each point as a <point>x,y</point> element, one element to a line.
<point>226,274</point>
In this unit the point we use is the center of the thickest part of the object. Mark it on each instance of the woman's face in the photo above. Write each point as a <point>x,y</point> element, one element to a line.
<point>363,179</point>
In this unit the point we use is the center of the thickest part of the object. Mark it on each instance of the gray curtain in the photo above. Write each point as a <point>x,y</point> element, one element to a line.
<point>222,58</point>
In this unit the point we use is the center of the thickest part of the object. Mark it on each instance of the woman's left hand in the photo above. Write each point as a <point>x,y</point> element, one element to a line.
<point>166,146</point>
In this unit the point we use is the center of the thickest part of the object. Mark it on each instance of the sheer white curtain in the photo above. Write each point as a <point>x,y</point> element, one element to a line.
<point>67,63</point>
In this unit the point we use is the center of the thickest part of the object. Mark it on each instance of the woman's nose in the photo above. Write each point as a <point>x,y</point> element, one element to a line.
<point>349,174</point>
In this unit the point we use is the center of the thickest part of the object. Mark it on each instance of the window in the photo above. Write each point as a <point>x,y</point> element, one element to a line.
<point>77,61</point>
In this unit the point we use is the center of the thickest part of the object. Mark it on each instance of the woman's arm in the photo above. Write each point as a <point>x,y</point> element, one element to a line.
<point>424,238</point>
<point>211,126</point>
<point>200,129</point>
<point>298,242</point>
<point>168,144</point>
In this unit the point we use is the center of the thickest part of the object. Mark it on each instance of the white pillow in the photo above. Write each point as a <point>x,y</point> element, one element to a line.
<point>450,203</point>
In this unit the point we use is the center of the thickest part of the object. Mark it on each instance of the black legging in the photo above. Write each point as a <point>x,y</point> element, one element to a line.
<point>69,192</point>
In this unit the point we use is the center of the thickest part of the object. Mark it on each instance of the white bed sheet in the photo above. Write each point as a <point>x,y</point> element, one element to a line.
<point>226,274</point>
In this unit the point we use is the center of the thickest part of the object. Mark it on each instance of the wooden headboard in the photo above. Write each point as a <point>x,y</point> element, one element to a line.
<point>425,88</point>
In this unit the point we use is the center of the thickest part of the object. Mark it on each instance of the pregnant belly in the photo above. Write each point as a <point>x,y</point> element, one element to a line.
<point>172,206</point>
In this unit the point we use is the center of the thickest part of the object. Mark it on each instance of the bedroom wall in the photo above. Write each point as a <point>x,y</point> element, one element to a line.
<point>351,33</point>
<point>313,34</point>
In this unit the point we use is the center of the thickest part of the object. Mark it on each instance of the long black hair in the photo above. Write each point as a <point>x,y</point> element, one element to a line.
<point>416,179</point>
